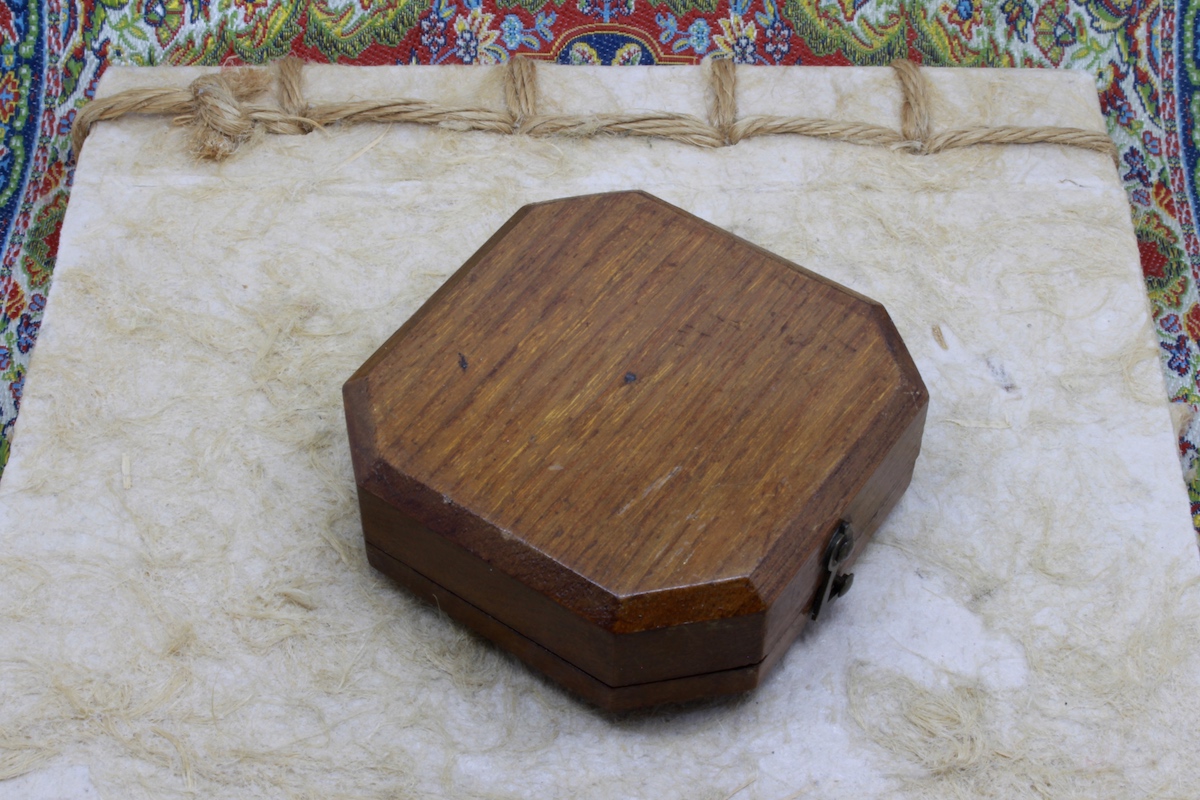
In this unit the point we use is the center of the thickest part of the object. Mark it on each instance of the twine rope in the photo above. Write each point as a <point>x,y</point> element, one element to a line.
<point>226,109</point>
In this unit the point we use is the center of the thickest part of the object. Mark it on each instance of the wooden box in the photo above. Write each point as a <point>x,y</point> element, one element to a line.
<point>631,448</point>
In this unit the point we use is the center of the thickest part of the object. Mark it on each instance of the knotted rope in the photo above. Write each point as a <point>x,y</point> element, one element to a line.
<point>225,109</point>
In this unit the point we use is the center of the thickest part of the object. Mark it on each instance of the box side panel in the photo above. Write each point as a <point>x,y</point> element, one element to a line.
<point>865,512</point>
<point>609,698</point>
<point>614,659</point>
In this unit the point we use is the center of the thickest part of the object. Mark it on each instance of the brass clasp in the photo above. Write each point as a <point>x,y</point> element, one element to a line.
<point>839,549</point>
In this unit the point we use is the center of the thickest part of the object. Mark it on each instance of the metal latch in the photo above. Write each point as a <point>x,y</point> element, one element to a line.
<point>839,549</point>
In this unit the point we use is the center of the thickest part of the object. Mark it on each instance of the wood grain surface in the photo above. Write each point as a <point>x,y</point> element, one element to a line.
<point>636,421</point>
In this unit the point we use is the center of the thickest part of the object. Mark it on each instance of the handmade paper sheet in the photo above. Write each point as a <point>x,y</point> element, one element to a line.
<point>186,607</point>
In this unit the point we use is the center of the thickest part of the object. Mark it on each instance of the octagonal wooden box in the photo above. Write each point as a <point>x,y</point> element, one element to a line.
<point>631,448</point>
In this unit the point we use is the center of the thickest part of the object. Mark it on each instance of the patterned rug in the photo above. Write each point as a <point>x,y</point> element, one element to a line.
<point>1142,54</point>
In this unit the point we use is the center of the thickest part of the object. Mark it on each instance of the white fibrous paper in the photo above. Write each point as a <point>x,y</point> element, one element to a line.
<point>185,605</point>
